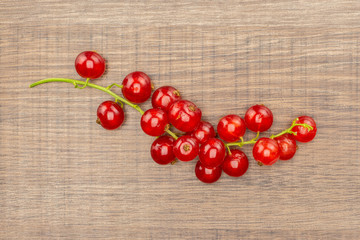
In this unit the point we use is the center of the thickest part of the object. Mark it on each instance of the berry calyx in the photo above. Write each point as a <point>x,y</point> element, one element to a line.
<point>207,175</point>
<point>203,132</point>
<point>236,163</point>
<point>90,64</point>
<point>303,133</point>
<point>162,150</point>
<point>231,128</point>
<point>154,122</point>
<point>258,118</point>
<point>212,153</point>
<point>110,115</point>
<point>287,146</point>
<point>186,148</point>
<point>164,97</point>
<point>184,115</point>
<point>136,87</point>
<point>266,151</point>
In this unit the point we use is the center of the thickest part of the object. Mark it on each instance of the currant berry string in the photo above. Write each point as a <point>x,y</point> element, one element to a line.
<point>199,138</point>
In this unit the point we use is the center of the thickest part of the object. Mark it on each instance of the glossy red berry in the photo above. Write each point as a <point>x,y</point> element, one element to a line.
<point>154,122</point>
<point>162,150</point>
<point>90,64</point>
<point>236,164</point>
<point>164,97</point>
<point>203,132</point>
<point>287,146</point>
<point>266,151</point>
<point>186,148</point>
<point>110,115</point>
<point>258,118</point>
<point>207,175</point>
<point>184,115</point>
<point>231,128</point>
<point>137,87</point>
<point>302,133</point>
<point>212,153</point>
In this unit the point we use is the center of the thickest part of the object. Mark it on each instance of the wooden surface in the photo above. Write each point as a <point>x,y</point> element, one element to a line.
<point>64,177</point>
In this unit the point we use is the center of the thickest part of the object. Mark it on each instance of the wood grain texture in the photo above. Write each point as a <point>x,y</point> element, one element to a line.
<point>63,177</point>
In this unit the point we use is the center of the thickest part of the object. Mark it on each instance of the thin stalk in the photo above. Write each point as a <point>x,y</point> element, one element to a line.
<point>289,130</point>
<point>106,90</point>
<point>76,82</point>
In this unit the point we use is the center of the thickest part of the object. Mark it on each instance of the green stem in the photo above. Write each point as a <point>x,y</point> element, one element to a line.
<point>85,85</point>
<point>107,90</point>
<point>282,133</point>
<point>172,134</point>
<point>229,151</point>
<point>242,143</point>
<point>120,102</point>
<point>76,82</point>
<point>289,130</point>
<point>114,84</point>
<point>255,138</point>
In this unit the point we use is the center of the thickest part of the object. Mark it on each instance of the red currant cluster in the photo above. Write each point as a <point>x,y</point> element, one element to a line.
<point>199,137</point>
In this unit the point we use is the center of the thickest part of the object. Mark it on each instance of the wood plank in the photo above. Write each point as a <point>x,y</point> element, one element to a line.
<point>64,177</point>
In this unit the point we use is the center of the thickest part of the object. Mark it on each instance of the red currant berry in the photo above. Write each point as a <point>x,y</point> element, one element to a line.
<point>287,146</point>
<point>258,118</point>
<point>266,151</point>
<point>110,115</point>
<point>162,150</point>
<point>90,64</point>
<point>136,87</point>
<point>154,122</point>
<point>231,128</point>
<point>186,148</point>
<point>203,132</point>
<point>302,133</point>
<point>212,153</point>
<point>207,175</point>
<point>184,115</point>
<point>236,163</point>
<point>164,97</point>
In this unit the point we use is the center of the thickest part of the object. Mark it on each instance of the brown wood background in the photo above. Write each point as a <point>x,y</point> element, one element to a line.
<point>64,177</point>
